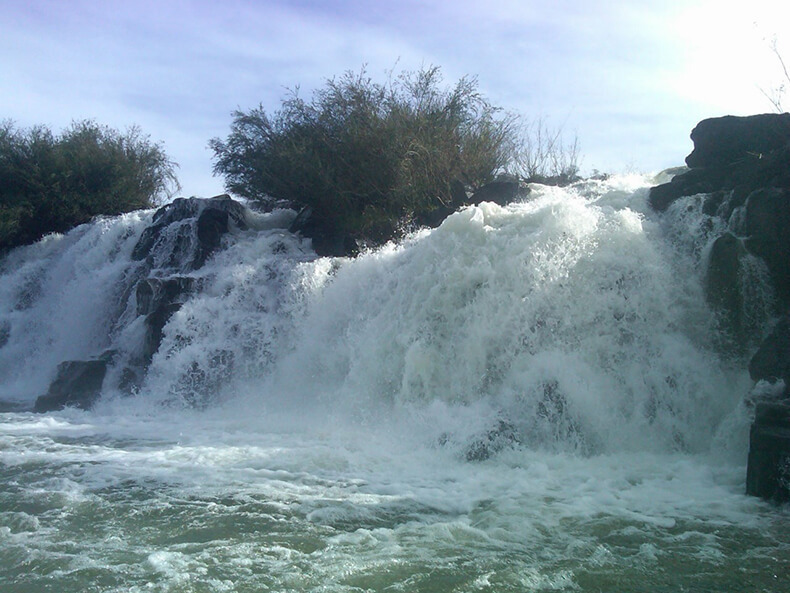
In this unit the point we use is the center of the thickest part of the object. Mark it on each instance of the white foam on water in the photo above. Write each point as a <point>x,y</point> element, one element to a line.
<point>307,423</point>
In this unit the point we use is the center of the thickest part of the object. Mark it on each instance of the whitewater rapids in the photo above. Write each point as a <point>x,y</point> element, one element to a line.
<point>306,424</point>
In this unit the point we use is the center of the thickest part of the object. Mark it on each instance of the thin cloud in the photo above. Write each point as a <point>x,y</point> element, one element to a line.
<point>631,79</point>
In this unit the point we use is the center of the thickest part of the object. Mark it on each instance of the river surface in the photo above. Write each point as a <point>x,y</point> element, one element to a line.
<point>530,398</point>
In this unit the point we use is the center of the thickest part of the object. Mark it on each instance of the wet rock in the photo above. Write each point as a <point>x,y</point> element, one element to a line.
<point>502,191</point>
<point>771,362</point>
<point>158,299</point>
<point>154,329</point>
<point>188,231</point>
<point>768,472</point>
<point>738,154</point>
<point>721,141</point>
<point>723,284</point>
<point>493,441</point>
<point>152,293</point>
<point>767,227</point>
<point>77,384</point>
<point>326,239</point>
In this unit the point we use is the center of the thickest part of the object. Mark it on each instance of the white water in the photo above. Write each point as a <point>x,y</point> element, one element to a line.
<point>331,454</point>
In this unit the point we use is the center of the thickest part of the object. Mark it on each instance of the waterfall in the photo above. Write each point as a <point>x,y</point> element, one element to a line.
<point>574,319</point>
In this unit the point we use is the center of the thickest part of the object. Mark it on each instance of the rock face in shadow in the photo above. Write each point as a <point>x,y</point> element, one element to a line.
<point>732,154</point>
<point>771,362</point>
<point>730,139</point>
<point>743,165</point>
<point>77,384</point>
<point>768,473</point>
<point>186,232</point>
<point>182,236</point>
<point>326,240</point>
<point>158,299</point>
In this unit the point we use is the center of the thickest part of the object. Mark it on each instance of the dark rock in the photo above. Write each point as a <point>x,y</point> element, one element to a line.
<point>723,284</point>
<point>722,141</point>
<point>771,362</point>
<point>190,230</point>
<point>78,383</point>
<point>501,191</point>
<point>493,441</point>
<point>435,217</point>
<point>158,299</point>
<point>153,292</point>
<point>738,154</point>
<point>326,240</point>
<point>768,472</point>
<point>695,181</point>
<point>767,227</point>
<point>743,165</point>
<point>458,193</point>
<point>5,332</point>
<point>154,326</point>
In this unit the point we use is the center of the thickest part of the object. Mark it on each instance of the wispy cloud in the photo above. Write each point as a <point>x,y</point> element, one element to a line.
<point>630,78</point>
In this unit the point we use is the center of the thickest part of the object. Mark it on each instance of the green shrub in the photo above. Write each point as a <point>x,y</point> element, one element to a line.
<point>367,157</point>
<point>52,183</point>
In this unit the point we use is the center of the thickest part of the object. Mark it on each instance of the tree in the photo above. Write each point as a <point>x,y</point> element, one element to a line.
<point>777,93</point>
<point>544,156</point>
<point>367,156</point>
<point>51,183</point>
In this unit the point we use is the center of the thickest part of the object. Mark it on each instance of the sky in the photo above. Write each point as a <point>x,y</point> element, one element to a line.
<point>628,79</point>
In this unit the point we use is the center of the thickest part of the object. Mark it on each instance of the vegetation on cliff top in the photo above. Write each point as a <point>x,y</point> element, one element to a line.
<point>51,183</point>
<point>368,157</point>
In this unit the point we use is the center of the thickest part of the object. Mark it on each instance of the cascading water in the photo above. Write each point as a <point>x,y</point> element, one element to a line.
<point>525,398</point>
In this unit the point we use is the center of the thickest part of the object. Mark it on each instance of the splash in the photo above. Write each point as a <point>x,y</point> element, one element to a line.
<point>573,320</point>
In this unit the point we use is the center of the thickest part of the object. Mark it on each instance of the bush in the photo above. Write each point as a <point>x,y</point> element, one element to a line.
<point>52,183</point>
<point>544,156</point>
<point>368,157</point>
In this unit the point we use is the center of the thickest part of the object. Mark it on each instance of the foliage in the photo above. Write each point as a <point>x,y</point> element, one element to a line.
<point>51,183</point>
<point>544,156</point>
<point>367,156</point>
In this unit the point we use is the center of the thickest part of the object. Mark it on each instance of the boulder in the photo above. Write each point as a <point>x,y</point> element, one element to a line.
<point>723,285</point>
<point>502,191</point>
<point>186,232</point>
<point>732,154</point>
<point>158,299</point>
<point>78,383</point>
<point>771,362</point>
<point>722,141</point>
<point>326,240</point>
<point>768,473</point>
<point>767,228</point>
<point>502,435</point>
<point>152,293</point>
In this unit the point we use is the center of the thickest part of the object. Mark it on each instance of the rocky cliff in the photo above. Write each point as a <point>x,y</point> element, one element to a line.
<point>741,165</point>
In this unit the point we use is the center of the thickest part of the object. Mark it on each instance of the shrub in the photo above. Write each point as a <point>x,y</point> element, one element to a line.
<point>367,157</point>
<point>52,183</point>
<point>544,156</point>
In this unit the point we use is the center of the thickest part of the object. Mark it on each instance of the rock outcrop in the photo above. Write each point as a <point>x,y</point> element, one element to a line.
<point>181,238</point>
<point>768,473</point>
<point>186,232</point>
<point>78,384</point>
<point>742,164</point>
<point>732,154</point>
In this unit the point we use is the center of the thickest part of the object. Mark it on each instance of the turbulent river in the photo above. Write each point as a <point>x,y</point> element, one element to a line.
<point>528,398</point>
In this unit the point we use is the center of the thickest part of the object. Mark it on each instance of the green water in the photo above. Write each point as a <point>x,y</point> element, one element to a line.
<point>84,510</point>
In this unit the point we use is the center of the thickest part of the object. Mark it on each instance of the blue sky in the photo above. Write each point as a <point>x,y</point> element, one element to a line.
<point>629,78</point>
